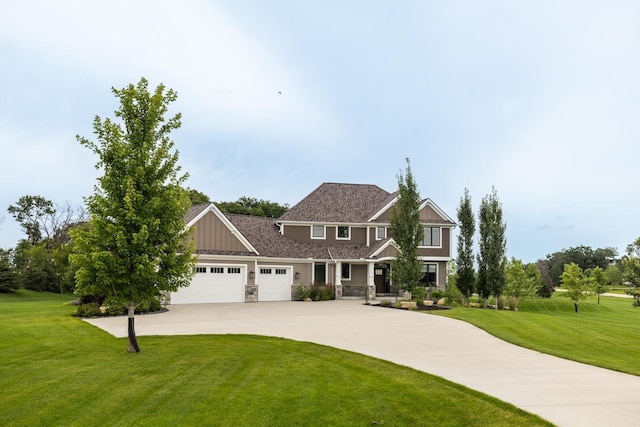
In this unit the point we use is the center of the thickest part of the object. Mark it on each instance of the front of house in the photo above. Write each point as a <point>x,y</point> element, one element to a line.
<point>339,235</point>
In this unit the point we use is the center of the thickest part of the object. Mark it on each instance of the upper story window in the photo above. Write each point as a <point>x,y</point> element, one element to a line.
<point>343,232</point>
<point>317,231</point>
<point>381,233</point>
<point>431,236</point>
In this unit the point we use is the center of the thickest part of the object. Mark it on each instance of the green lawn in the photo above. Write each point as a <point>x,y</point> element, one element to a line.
<point>605,335</point>
<point>56,370</point>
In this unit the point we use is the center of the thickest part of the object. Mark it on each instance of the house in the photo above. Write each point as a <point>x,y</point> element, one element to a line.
<point>339,234</point>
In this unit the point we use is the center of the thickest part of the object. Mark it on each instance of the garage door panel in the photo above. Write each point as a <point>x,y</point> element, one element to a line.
<point>213,284</point>
<point>274,284</point>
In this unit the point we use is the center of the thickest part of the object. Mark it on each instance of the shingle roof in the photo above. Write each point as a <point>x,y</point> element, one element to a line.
<point>194,211</point>
<point>333,202</point>
<point>264,235</point>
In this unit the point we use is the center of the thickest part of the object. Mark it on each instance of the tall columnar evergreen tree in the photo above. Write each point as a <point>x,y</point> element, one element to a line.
<point>631,270</point>
<point>136,246</point>
<point>493,247</point>
<point>465,279</point>
<point>408,232</point>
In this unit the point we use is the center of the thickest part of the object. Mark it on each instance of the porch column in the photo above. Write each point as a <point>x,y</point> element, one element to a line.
<point>338,281</point>
<point>371,283</point>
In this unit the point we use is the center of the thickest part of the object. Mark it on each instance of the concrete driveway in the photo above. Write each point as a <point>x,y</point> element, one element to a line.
<point>563,392</point>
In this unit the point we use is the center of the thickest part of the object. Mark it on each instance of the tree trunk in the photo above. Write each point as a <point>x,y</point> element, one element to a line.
<point>575,305</point>
<point>132,342</point>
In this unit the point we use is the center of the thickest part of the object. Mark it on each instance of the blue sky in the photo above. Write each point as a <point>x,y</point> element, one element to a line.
<point>539,99</point>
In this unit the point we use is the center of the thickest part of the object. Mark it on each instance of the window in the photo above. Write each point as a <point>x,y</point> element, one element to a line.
<point>430,275</point>
<point>281,271</point>
<point>217,270</point>
<point>346,271</point>
<point>233,270</point>
<point>201,269</point>
<point>265,271</point>
<point>343,232</point>
<point>317,232</point>
<point>431,236</point>
<point>381,233</point>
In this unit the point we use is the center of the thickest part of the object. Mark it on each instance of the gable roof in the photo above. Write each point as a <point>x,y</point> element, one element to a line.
<point>334,202</point>
<point>196,212</point>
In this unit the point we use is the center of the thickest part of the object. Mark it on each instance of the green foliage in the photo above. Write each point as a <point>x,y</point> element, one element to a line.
<point>631,270</point>
<point>419,294</point>
<point>303,292</point>
<point>575,285</point>
<point>136,246</point>
<point>598,281</point>
<point>407,231</point>
<point>32,212</point>
<point>583,256</point>
<point>91,309</point>
<point>466,277</point>
<point>196,197</point>
<point>251,206</point>
<point>8,275</point>
<point>36,267</point>
<point>613,275</point>
<point>321,292</point>
<point>493,246</point>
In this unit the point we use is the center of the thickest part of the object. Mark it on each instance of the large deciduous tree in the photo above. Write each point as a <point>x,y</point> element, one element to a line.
<point>407,231</point>
<point>492,247</point>
<point>465,278</point>
<point>136,246</point>
<point>34,213</point>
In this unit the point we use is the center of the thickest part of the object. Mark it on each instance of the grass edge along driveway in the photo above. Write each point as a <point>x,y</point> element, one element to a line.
<point>58,370</point>
<point>604,335</point>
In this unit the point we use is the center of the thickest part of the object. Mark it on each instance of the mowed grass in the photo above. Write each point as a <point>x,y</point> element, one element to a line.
<point>56,370</point>
<point>605,334</point>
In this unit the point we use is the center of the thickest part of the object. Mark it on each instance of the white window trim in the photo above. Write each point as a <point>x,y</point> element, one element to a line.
<point>385,233</point>
<point>433,247</point>
<point>324,234</point>
<point>341,267</point>
<point>348,229</point>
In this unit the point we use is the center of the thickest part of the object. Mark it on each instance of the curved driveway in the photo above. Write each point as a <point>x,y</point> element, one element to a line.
<point>563,392</point>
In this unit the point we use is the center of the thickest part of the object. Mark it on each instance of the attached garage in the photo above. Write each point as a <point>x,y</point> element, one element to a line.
<point>274,283</point>
<point>213,283</point>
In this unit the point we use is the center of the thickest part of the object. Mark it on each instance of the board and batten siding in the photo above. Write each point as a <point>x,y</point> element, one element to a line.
<point>212,234</point>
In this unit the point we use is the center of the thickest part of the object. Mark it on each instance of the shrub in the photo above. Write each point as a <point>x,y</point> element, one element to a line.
<point>513,303</point>
<point>321,292</point>
<point>385,303</point>
<point>302,293</point>
<point>91,309</point>
<point>437,294</point>
<point>148,307</point>
<point>115,310</point>
<point>419,294</point>
<point>501,302</point>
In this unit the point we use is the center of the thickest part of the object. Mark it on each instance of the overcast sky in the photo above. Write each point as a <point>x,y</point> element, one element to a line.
<point>539,99</point>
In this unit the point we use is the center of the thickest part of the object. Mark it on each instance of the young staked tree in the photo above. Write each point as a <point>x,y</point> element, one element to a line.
<point>493,246</point>
<point>136,246</point>
<point>408,232</point>
<point>465,279</point>
<point>576,286</point>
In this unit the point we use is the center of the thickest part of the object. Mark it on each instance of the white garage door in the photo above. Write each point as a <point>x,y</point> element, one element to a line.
<point>212,284</point>
<point>274,284</point>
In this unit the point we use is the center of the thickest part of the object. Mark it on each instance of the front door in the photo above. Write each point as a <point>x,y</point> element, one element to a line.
<point>381,278</point>
<point>320,273</point>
